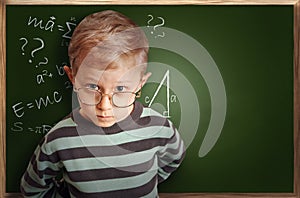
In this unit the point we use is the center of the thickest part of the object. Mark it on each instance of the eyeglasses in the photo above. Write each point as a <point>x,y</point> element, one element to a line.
<point>92,97</point>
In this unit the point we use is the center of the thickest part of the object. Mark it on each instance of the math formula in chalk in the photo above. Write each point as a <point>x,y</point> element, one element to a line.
<point>50,25</point>
<point>20,127</point>
<point>44,69</point>
<point>20,108</point>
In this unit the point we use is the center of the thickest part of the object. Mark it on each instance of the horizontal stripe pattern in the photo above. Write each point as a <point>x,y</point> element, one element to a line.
<point>118,183</point>
<point>128,159</point>
<point>107,140</point>
<point>110,173</point>
<point>145,190</point>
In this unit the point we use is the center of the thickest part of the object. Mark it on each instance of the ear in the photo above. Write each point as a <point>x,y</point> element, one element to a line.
<point>145,78</point>
<point>69,73</point>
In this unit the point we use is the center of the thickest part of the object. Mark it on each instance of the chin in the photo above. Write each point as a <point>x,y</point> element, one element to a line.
<point>105,124</point>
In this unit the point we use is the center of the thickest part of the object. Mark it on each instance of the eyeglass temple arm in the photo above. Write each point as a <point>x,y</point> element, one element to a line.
<point>138,94</point>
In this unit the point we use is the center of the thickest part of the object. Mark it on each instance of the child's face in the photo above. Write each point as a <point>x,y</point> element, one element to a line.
<point>125,77</point>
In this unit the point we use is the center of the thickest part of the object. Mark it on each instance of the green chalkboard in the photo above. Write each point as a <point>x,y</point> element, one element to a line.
<point>240,95</point>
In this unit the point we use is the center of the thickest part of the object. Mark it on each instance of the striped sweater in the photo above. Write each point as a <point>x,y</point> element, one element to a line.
<point>128,159</point>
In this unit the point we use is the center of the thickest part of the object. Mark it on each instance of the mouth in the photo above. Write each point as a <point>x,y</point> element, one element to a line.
<point>105,117</point>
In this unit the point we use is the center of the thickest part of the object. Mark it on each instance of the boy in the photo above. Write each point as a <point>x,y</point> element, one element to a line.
<point>111,146</point>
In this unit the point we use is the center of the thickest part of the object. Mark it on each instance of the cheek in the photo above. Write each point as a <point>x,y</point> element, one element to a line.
<point>121,113</point>
<point>88,112</point>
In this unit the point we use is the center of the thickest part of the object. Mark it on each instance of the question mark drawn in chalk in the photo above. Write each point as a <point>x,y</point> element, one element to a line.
<point>156,26</point>
<point>37,49</point>
<point>150,21</point>
<point>159,25</point>
<point>43,63</point>
<point>25,43</point>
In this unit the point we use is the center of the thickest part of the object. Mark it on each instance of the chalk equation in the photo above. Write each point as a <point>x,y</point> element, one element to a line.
<point>50,25</point>
<point>44,69</point>
<point>40,77</point>
<point>68,27</point>
<point>20,127</point>
<point>20,108</point>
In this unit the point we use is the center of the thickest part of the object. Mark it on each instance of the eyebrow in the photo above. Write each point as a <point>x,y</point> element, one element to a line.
<point>88,79</point>
<point>125,81</point>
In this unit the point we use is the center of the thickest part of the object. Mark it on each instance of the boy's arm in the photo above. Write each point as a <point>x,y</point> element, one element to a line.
<point>39,178</point>
<point>171,156</point>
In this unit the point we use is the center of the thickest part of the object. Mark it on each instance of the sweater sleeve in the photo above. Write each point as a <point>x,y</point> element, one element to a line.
<point>39,178</point>
<point>171,155</point>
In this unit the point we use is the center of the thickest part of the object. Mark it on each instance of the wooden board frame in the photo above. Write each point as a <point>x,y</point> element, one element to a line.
<point>294,3</point>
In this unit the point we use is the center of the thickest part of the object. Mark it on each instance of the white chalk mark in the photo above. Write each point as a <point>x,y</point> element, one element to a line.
<point>167,79</point>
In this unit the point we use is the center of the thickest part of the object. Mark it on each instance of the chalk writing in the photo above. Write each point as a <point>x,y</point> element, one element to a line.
<point>40,77</point>
<point>60,69</point>
<point>70,26</point>
<point>162,22</point>
<point>25,43</point>
<point>57,97</point>
<point>37,49</point>
<point>39,23</point>
<point>45,62</point>
<point>19,108</point>
<point>40,47</point>
<point>42,129</point>
<point>50,25</point>
<point>68,85</point>
<point>173,97</point>
<point>33,47</point>
<point>64,43</point>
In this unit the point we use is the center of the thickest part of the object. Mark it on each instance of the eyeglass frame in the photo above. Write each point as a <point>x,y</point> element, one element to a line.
<point>111,95</point>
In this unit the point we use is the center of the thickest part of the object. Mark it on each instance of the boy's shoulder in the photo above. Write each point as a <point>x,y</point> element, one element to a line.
<point>142,114</point>
<point>63,128</point>
<point>155,123</point>
<point>147,111</point>
<point>65,122</point>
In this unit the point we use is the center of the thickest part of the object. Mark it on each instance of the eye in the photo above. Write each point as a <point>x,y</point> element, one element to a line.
<point>120,88</point>
<point>92,86</point>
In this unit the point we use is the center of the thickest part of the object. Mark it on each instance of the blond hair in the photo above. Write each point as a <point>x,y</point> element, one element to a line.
<point>107,34</point>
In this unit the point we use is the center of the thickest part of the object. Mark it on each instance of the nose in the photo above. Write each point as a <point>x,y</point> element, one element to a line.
<point>105,102</point>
